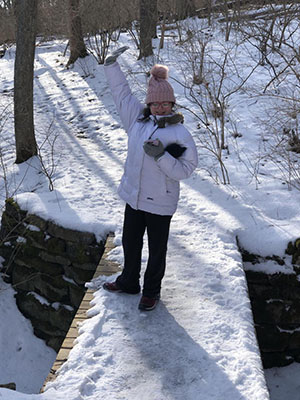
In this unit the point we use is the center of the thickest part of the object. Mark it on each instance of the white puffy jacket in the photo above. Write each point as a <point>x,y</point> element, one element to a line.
<point>149,185</point>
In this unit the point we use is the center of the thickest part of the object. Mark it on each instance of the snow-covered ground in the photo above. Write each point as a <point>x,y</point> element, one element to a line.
<point>199,343</point>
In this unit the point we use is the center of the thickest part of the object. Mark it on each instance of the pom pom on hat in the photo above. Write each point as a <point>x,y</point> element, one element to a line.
<point>159,71</point>
<point>159,89</point>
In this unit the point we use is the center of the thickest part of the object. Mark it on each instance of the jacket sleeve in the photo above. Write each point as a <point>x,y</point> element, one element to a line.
<point>182,167</point>
<point>128,106</point>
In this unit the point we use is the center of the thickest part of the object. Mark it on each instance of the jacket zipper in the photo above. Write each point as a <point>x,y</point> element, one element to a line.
<point>152,133</point>
<point>138,194</point>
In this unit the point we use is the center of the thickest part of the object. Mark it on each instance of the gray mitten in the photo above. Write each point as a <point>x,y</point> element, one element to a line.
<point>115,54</point>
<point>154,148</point>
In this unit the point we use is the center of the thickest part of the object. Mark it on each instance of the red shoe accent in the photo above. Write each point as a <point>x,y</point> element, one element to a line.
<point>112,287</point>
<point>148,303</point>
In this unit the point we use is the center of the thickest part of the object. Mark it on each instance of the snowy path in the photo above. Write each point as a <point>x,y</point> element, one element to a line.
<point>199,344</point>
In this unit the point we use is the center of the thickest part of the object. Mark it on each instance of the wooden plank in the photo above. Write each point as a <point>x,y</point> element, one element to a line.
<point>80,317</point>
<point>81,312</point>
<point>88,296</point>
<point>56,366</point>
<point>73,332</point>
<point>85,305</point>
<point>76,324</point>
<point>68,343</point>
<point>62,355</point>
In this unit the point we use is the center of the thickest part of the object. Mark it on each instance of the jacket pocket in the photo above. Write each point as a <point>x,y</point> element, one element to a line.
<point>171,187</point>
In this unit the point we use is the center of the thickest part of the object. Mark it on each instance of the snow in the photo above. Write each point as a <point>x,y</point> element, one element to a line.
<point>199,343</point>
<point>24,358</point>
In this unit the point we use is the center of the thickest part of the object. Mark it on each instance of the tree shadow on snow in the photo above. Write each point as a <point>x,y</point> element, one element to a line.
<point>163,357</point>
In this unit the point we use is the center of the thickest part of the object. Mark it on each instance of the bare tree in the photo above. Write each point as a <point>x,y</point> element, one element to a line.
<point>209,86</point>
<point>52,19</point>
<point>101,26</point>
<point>76,42</point>
<point>148,17</point>
<point>26,146</point>
<point>185,8</point>
<point>7,22</point>
<point>154,17</point>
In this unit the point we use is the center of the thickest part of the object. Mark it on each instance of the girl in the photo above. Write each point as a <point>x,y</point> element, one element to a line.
<point>161,152</point>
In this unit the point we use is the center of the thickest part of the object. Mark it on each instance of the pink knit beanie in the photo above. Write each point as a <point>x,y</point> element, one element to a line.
<point>159,88</point>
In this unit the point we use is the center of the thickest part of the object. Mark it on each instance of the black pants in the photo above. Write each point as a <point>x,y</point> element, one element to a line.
<point>135,224</point>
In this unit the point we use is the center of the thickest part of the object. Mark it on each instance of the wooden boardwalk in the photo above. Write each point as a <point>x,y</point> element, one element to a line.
<point>105,267</point>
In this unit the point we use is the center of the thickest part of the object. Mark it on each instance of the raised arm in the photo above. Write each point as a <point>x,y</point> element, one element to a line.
<point>128,106</point>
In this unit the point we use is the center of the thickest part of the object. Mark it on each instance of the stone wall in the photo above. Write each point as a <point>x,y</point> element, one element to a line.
<point>275,300</point>
<point>48,266</point>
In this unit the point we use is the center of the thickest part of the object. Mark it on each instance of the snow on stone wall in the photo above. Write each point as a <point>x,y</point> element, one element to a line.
<point>48,266</point>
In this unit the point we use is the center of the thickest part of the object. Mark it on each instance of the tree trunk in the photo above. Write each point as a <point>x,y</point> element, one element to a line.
<point>185,8</point>
<point>76,42</point>
<point>26,146</point>
<point>154,14</point>
<point>147,21</point>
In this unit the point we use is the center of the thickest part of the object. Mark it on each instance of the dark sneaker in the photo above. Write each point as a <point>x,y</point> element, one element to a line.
<point>112,287</point>
<point>148,303</point>
<point>115,288</point>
